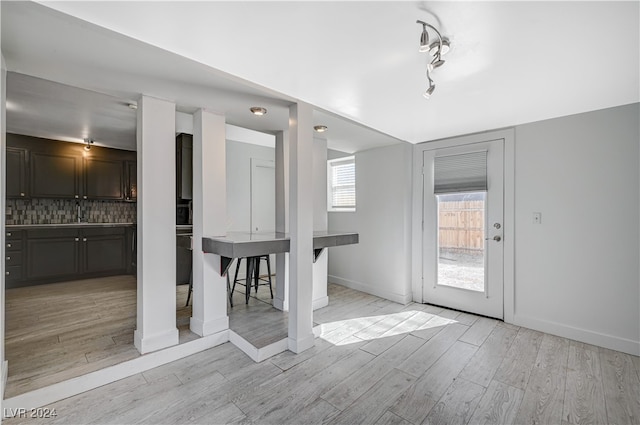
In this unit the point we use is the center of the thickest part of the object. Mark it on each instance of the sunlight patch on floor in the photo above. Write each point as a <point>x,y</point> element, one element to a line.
<point>350,331</point>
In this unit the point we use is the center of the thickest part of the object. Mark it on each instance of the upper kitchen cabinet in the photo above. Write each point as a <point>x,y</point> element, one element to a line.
<point>103,179</point>
<point>55,175</point>
<point>184,166</point>
<point>131,181</point>
<point>65,170</point>
<point>16,173</point>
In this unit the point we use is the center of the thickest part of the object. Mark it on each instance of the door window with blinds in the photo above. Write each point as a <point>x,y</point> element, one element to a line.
<point>460,186</point>
<point>341,184</point>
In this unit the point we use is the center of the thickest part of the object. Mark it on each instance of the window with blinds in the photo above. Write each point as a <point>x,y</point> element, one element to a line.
<point>460,173</point>
<point>341,184</point>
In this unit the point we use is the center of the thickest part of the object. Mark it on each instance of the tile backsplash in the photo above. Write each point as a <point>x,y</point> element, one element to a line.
<point>62,211</point>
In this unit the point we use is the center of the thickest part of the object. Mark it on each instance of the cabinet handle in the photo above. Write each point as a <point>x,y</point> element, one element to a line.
<point>84,239</point>
<point>77,239</point>
<point>8,233</point>
<point>8,245</point>
<point>84,197</point>
<point>8,258</point>
<point>7,273</point>
<point>21,193</point>
<point>76,196</point>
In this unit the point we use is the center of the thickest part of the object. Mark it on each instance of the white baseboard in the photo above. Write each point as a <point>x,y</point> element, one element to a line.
<point>257,354</point>
<point>56,392</point>
<point>320,302</point>
<point>150,343</point>
<point>583,335</point>
<point>210,327</point>
<point>359,286</point>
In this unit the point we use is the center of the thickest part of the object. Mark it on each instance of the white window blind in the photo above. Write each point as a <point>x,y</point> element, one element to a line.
<point>460,173</point>
<point>341,184</point>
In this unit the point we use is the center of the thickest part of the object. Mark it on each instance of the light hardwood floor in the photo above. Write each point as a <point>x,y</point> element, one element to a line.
<point>377,362</point>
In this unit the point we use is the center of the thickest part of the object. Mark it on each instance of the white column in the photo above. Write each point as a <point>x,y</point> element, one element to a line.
<point>156,221</point>
<point>3,145</point>
<point>320,221</point>
<point>300,227</point>
<point>209,219</point>
<point>280,299</point>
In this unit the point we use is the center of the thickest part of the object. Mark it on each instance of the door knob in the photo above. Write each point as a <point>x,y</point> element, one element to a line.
<point>495,238</point>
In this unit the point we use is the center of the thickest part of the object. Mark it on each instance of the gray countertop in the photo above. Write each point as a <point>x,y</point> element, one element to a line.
<point>65,225</point>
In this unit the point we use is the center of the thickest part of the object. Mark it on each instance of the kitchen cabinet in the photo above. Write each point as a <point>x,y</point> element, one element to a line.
<point>103,179</point>
<point>184,166</point>
<point>131,181</point>
<point>47,255</point>
<point>103,250</point>
<point>184,260</point>
<point>16,160</point>
<point>53,253</point>
<point>55,175</point>
<point>53,169</point>
<point>13,270</point>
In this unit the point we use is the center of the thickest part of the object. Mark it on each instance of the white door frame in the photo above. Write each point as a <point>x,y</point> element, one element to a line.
<point>417,266</point>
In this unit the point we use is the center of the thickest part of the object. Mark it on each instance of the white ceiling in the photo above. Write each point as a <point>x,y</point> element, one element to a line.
<point>511,62</point>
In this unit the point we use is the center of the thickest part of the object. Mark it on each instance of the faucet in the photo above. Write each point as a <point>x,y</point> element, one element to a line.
<point>78,214</point>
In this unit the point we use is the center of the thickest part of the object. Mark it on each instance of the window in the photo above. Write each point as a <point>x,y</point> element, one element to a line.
<point>341,184</point>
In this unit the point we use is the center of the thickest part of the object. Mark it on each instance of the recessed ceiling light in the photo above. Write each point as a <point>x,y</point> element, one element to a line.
<point>258,110</point>
<point>320,128</point>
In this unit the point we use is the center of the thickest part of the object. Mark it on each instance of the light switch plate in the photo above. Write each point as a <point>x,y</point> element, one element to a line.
<point>537,218</point>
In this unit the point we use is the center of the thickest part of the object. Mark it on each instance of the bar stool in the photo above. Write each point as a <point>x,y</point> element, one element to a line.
<point>253,275</point>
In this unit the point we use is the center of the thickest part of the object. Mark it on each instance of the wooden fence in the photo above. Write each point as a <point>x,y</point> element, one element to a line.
<point>461,225</point>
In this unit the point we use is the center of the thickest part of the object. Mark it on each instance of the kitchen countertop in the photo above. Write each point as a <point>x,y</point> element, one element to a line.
<point>65,225</point>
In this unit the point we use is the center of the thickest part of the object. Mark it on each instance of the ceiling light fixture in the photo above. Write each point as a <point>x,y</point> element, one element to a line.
<point>435,49</point>
<point>132,105</point>
<point>320,128</point>
<point>88,144</point>
<point>258,110</point>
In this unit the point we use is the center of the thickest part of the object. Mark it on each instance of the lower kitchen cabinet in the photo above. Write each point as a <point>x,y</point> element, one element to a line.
<point>52,253</point>
<point>104,250</point>
<point>38,256</point>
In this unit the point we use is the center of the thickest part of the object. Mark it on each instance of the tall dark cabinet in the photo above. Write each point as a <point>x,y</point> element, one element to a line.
<point>16,161</point>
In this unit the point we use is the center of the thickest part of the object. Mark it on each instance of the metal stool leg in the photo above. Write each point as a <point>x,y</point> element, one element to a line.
<point>190,287</point>
<point>235,277</point>
<point>269,276</point>
<point>250,267</point>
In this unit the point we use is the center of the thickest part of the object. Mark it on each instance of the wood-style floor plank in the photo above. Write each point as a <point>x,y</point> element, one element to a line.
<point>543,399</point>
<point>499,405</point>
<point>489,356</point>
<point>516,367</point>
<point>621,387</point>
<point>457,404</point>
<point>584,394</point>
<point>415,404</point>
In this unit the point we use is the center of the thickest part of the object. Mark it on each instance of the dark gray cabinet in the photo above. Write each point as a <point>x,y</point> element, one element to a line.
<point>14,257</point>
<point>55,175</point>
<point>47,255</point>
<point>16,179</point>
<point>52,253</point>
<point>104,250</point>
<point>131,181</point>
<point>184,166</point>
<point>103,179</point>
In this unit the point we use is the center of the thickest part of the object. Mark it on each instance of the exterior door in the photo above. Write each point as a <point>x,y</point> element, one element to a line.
<point>263,195</point>
<point>463,227</point>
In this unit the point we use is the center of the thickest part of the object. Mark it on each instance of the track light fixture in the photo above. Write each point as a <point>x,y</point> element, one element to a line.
<point>88,142</point>
<point>435,49</point>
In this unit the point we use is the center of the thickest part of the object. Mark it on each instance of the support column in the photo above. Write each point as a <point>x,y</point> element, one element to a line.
<point>156,226</point>
<point>320,221</point>
<point>209,218</point>
<point>300,228</point>
<point>280,300</point>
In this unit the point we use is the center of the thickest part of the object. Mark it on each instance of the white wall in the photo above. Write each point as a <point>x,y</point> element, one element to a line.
<point>381,263</point>
<point>576,274</point>
<point>239,182</point>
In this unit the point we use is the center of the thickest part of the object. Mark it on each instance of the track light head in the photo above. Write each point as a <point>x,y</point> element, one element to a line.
<point>424,40</point>
<point>427,94</point>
